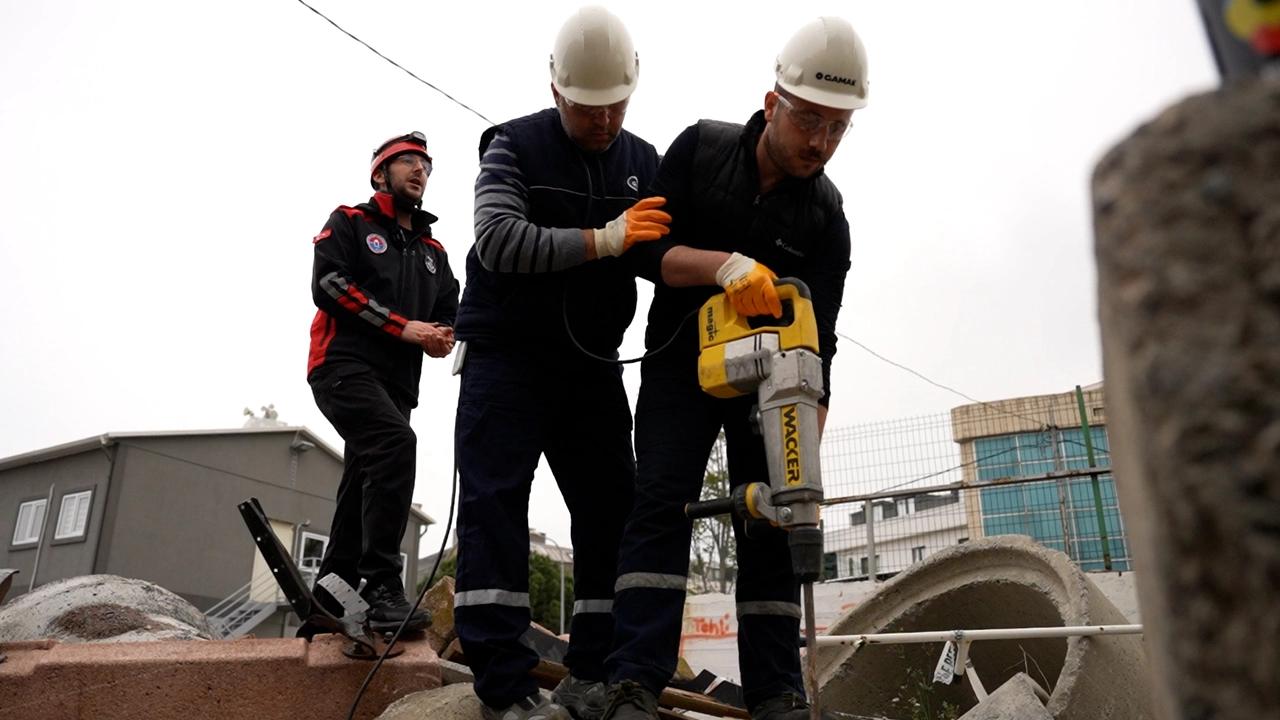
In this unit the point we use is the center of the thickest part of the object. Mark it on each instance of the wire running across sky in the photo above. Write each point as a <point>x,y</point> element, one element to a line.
<point>480,115</point>
<point>407,71</point>
<point>1036,421</point>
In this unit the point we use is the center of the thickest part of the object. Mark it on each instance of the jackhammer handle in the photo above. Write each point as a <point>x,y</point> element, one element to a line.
<point>709,508</point>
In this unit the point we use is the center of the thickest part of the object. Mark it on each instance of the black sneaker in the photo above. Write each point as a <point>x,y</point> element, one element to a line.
<point>534,707</point>
<point>788,706</point>
<point>629,700</point>
<point>584,699</point>
<point>388,607</point>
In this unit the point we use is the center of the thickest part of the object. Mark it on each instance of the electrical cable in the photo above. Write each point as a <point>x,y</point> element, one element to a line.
<point>1039,423</point>
<point>213,468</point>
<point>448,525</point>
<point>407,71</point>
<point>564,306</point>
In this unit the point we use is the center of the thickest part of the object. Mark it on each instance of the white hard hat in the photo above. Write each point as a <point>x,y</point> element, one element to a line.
<point>594,62</point>
<point>825,63</point>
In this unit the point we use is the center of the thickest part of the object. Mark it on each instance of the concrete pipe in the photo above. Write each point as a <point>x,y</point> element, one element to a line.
<point>1000,582</point>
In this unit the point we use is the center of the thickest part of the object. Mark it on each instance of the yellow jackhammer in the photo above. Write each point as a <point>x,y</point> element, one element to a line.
<point>777,358</point>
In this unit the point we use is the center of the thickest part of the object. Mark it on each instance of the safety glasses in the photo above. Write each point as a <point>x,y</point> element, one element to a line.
<point>810,122</point>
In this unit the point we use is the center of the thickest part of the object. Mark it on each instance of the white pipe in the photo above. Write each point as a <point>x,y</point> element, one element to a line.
<point>973,635</point>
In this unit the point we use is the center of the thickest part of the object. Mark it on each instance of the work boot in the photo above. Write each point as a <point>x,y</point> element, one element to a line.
<point>629,700</point>
<point>534,707</point>
<point>788,706</point>
<point>584,699</point>
<point>388,607</point>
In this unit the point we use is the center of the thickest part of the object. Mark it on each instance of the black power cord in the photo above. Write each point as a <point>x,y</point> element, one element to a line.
<point>564,307</point>
<point>448,525</point>
<point>453,498</point>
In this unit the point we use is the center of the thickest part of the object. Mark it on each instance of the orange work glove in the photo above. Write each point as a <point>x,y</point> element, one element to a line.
<point>749,286</point>
<point>641,222</point>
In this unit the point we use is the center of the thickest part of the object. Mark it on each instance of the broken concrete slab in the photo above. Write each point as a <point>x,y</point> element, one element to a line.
<point>439,603</point>
<point>269,679</point>
<point>1014,700</point>
<point>451,702</point>
<point>998,582</point>
<point>101,608</point>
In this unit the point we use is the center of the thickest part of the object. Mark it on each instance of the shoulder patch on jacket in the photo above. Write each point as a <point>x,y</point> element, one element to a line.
<point>350,211</point>
<point>433,243</point>
<point>323,234</point>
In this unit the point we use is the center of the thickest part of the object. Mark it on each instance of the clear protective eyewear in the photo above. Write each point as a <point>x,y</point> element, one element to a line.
<point>809,121</point>
<point>597,111</point>
<point>412,159</point>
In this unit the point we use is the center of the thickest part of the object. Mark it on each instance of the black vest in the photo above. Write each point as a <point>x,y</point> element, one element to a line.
<point>527,310</point>
<point>785,229</point>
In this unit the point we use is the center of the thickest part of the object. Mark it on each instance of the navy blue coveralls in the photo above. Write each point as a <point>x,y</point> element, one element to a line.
<point>528,391</point>
<point>798,229</point>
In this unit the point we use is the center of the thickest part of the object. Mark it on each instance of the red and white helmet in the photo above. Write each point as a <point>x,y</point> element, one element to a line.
<point>414,142</point>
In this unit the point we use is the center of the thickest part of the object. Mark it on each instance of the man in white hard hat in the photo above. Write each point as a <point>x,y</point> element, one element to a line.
<point>745,201</point>
<point>547,297</point>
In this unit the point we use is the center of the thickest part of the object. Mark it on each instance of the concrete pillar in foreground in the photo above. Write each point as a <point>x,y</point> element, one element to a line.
<point>1187,219</point>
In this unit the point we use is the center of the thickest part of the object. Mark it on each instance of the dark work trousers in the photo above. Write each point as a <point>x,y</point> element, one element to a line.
<point>512,408</point>
<point>676,427</point>
<point>377,476</point>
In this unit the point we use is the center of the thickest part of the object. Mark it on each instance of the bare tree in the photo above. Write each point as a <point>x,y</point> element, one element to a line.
<point>713,565</point>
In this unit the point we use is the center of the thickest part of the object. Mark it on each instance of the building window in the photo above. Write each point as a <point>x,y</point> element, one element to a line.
<point>30,522</point>
<point>917,553</point>
<point>1058,513</point>
<point>962,541</point>
<point>73,515</point>
<point>866,565</point>
<point>830,566</point>
<point>312,552</point>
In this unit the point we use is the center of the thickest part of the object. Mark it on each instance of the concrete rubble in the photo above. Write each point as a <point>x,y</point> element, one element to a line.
<point>1014,700</point>
<point>101,608</point>
<point>451,702</point>
<point>1005,581</point>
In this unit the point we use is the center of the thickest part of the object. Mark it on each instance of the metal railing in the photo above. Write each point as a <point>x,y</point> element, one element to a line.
<point>901,490</point>
<point>872,536</point>
<point>247,606</point>
<point>956,662</point>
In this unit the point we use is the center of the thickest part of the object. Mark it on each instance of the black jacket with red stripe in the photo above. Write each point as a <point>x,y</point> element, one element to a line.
<point>370,278</point>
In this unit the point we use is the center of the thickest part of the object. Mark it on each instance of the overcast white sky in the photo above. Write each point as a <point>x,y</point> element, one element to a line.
<point>164,166</point>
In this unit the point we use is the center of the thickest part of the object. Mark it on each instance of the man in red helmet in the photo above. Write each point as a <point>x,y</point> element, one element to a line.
<point>386,295</point>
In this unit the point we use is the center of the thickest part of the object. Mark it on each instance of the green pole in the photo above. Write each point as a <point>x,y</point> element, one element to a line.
<point>1093,476</point>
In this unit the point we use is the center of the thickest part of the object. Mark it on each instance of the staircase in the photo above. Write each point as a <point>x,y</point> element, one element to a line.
<point>242,610</point>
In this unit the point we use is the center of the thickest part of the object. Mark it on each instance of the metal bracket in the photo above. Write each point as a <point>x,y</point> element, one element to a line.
<point>365,644</point>
<point>345,594</point>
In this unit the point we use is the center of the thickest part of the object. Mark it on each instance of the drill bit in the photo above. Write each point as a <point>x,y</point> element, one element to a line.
<point>811,652</point>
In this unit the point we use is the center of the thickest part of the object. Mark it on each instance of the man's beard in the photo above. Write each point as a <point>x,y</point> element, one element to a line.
<point>788,164</point>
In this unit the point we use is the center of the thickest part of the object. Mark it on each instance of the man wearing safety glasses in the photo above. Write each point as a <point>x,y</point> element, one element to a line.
<point>555,207</point>
<point>386,296</point>
<point>745,201</point>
